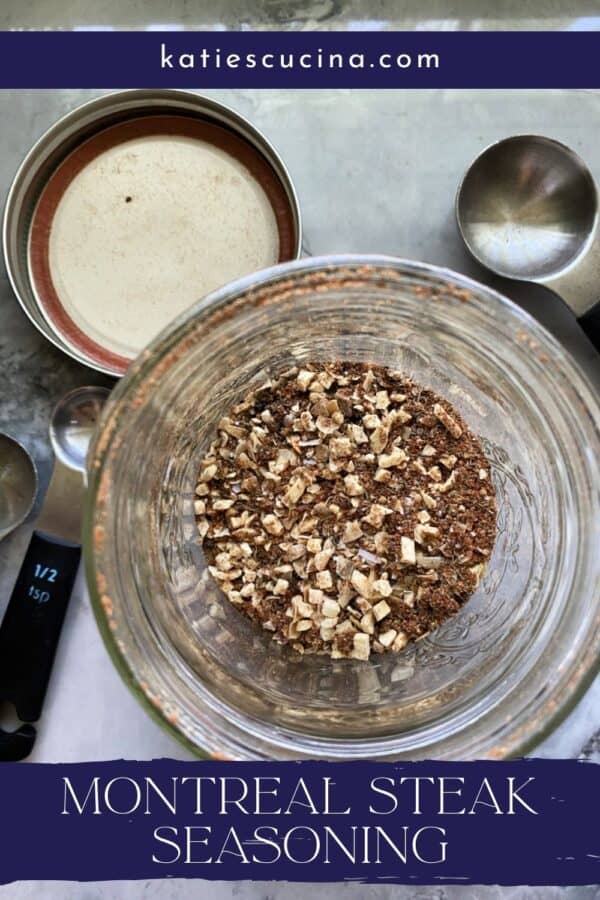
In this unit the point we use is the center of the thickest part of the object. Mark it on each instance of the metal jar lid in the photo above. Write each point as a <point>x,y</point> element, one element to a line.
<point>69,133</point>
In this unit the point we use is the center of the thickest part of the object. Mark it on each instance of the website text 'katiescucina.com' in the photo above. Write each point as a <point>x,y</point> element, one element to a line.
<point>278,61</point>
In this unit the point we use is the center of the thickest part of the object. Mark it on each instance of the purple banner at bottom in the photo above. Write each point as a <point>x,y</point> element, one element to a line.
<point>524,822</point>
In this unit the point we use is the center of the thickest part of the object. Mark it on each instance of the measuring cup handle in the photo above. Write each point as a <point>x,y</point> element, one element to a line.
<point>590,322</point>
<point>31,627</point>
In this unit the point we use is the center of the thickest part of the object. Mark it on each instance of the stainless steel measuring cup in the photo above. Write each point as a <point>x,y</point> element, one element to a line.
<point>527,209</point>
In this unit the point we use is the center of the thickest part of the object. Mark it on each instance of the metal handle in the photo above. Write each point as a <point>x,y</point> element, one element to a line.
<point>590,322</point>
<point>30,632</point>
<point>577,284</point>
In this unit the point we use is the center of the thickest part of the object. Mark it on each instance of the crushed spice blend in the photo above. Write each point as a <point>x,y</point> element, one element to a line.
<point>346,509</point>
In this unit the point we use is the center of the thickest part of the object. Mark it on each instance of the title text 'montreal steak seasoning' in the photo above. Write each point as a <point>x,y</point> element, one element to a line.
<point>346,509</point>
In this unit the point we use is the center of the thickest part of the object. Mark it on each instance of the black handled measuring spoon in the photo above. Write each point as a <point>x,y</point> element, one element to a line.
<point>31,627</point>
<point>527,209</point>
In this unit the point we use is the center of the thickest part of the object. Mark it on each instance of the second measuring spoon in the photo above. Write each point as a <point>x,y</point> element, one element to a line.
<point>527,209</point>
<point>18,484</point>
<point>31,627</point>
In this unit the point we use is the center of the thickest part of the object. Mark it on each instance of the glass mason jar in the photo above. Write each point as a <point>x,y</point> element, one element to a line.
<point>493,680</point>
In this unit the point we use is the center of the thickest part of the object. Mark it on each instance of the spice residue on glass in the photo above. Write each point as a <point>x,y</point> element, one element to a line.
<point>346,509</point>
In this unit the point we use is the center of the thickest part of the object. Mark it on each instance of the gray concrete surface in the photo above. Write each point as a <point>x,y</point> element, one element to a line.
<point>298,14</point>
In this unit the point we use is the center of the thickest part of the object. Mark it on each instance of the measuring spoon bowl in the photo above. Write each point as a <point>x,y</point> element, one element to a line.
<point>527,209</point>
<point>18,484</point>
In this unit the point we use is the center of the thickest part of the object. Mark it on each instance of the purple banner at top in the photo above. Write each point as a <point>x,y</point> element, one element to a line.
<point>520,822</point>
<point>189,59</point>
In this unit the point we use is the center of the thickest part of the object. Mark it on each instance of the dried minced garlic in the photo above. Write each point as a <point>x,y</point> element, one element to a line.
<point>346,509</point>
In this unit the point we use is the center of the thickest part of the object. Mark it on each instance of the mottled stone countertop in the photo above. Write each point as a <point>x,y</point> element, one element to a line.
<point>352,15</point>
<point>376,172</point>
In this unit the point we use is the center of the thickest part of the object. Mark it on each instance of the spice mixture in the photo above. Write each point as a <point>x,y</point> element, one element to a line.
<point>346,509</point>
